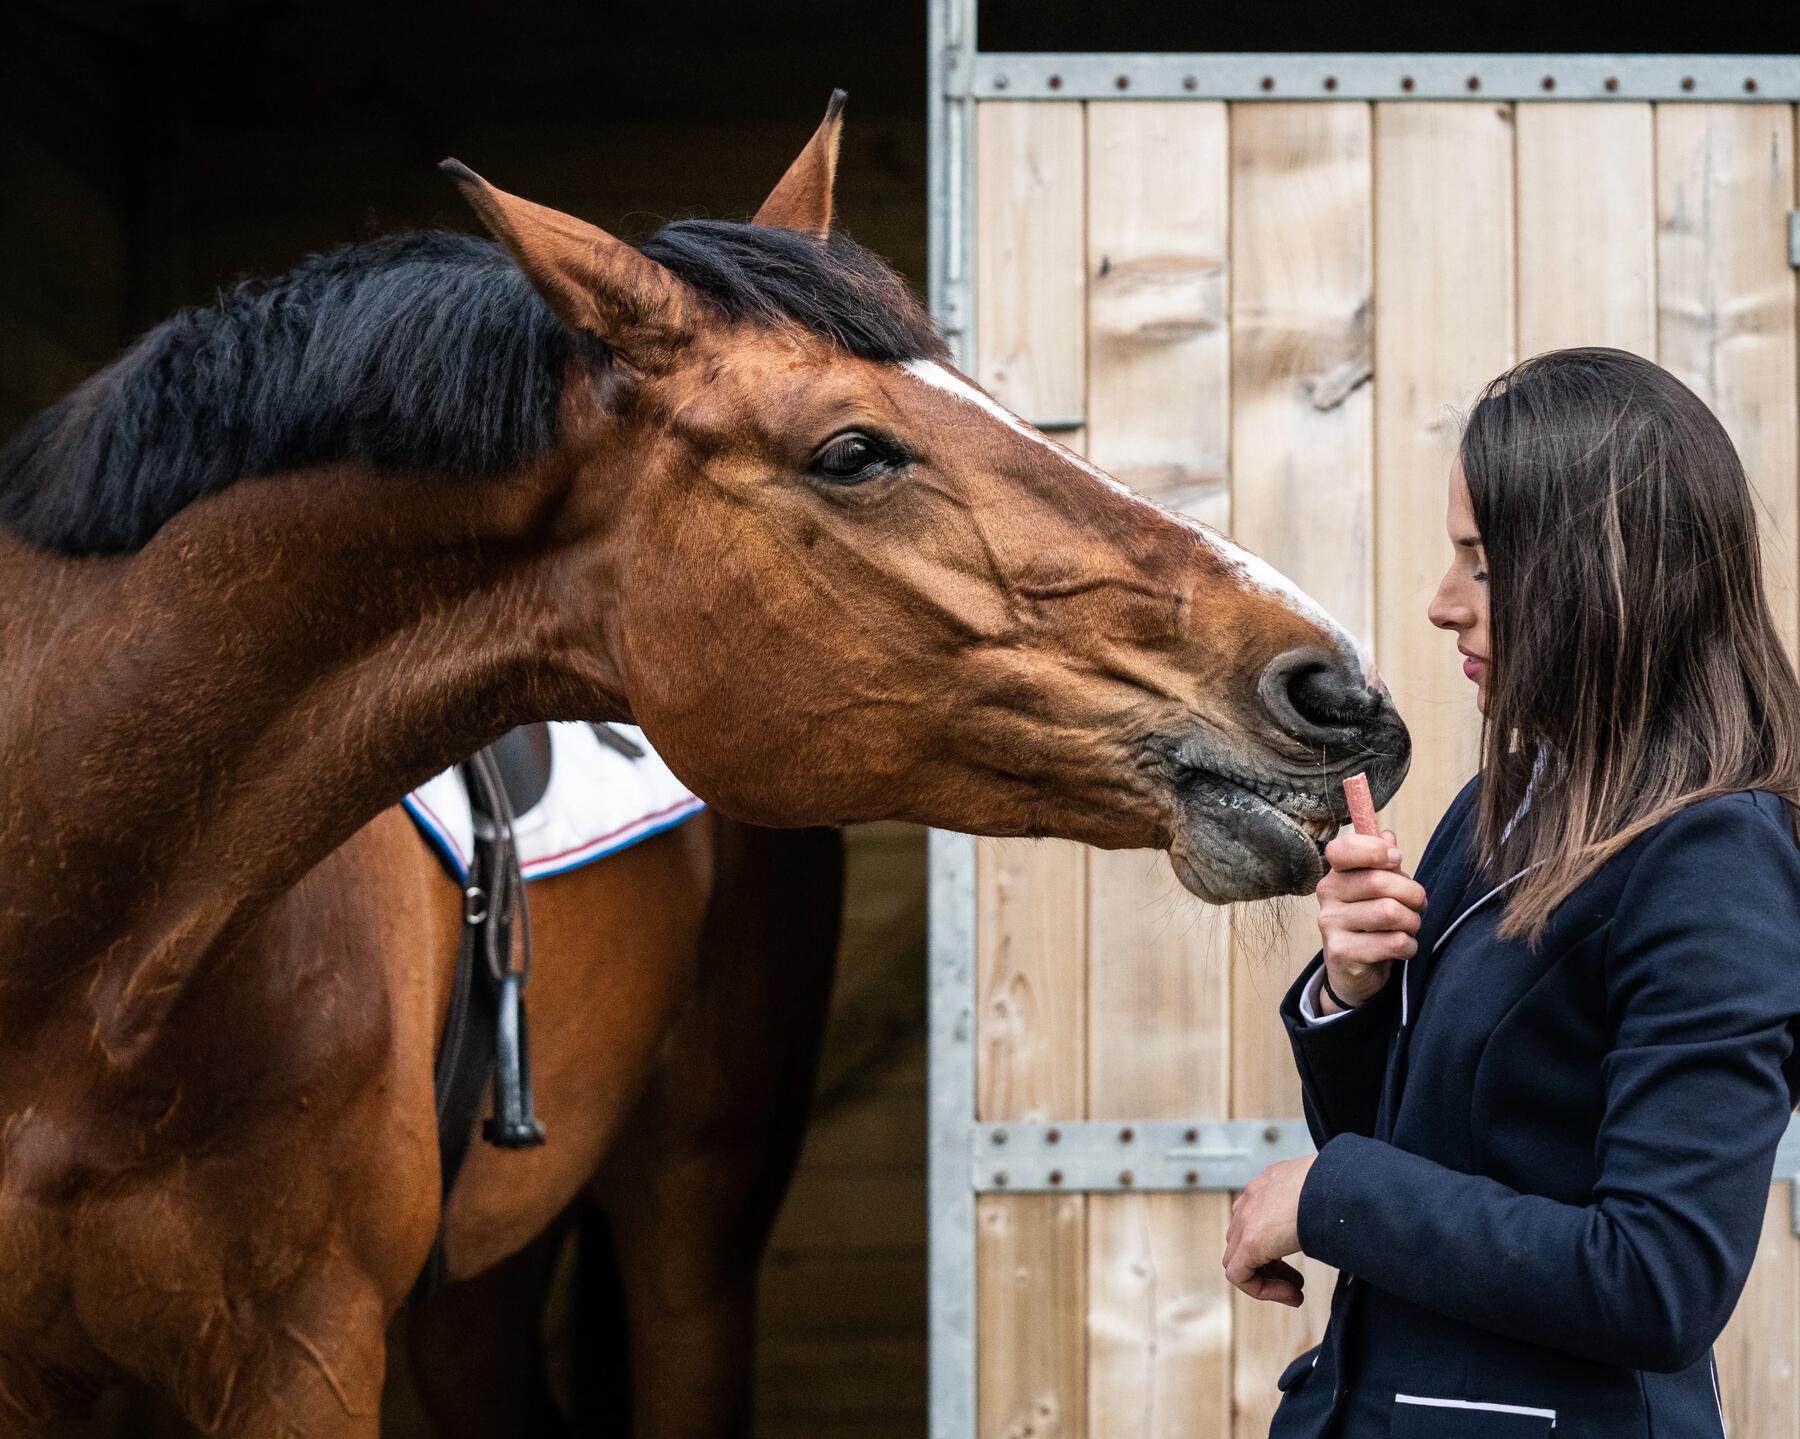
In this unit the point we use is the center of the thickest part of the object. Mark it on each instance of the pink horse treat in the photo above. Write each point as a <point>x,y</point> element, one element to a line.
<point>1362,804</point>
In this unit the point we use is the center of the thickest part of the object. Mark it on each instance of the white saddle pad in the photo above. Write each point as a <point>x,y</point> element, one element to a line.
<point>598,803</point>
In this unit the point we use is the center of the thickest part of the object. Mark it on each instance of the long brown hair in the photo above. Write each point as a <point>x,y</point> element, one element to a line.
<point>1635,665</point>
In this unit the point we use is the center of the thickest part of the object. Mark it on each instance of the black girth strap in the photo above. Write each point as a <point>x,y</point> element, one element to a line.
<point>484,1030</point>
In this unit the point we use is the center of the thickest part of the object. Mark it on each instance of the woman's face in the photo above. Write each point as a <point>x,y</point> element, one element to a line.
<point>1461,601</point>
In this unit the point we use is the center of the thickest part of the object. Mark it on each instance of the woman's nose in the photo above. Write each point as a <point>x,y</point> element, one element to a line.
<point>1445,611</point>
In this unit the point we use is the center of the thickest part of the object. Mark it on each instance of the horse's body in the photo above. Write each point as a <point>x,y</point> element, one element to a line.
<point>296,555</point>
<point>678,1000</point>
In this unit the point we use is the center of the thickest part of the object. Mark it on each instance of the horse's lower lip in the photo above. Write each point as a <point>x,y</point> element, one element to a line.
<point>1238,845</point>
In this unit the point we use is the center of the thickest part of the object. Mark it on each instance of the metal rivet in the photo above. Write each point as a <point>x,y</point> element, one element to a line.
<point>1056,82</point>
<point>1687,82</point>
<point>1549,82</point>
<point>1406,82</point>
<point>1750,87</point>
<point>1122,82</point>
<point>1126,1135</point>
<point>1473,82</point>
<point>1126,1179</point>
<point>1331,82</point>
<point>1000,82</point>
<point>1272,1133</point>
<point>1192,1176</point>
<point>1190,82</point>
<point>1000,1180</point>
<point>1056,1176</point>
<point>1191,1136</point>
<point>1268,82</point>
<point>999,1136</point>
<point>1612,82</point>
<point>1053,1137</point>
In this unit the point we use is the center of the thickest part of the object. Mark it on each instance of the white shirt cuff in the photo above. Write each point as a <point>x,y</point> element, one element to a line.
<point>1309,1002</point>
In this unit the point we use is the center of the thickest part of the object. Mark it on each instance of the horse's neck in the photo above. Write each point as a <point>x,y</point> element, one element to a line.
<point>207,720</point>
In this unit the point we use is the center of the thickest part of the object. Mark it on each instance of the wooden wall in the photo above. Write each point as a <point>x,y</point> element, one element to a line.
<point>1269,316</point>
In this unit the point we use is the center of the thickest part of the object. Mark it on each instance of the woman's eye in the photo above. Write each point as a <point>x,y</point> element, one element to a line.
<point>1481,577</point>
<point>851,458</point>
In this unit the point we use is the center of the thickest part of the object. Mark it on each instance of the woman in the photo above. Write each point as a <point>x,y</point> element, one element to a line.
<point>1547,1077</point>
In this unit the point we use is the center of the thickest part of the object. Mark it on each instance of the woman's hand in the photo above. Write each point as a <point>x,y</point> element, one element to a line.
<point>1265,1229</point>
<point>1368,914</point>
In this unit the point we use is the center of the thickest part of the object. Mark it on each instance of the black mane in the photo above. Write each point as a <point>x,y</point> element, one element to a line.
<point>420,351</point>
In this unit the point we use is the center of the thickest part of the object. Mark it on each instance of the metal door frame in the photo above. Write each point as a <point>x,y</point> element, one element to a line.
<point>965,1157</point>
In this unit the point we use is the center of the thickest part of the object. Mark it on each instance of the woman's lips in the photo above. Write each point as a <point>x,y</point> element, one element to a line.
<point>1474,666</point>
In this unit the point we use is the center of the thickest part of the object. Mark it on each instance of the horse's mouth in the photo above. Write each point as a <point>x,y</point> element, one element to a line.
<point>1241,838</point>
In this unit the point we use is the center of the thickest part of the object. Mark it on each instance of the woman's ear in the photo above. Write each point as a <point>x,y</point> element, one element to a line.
<point>801,199</point>
<point>594,283</point>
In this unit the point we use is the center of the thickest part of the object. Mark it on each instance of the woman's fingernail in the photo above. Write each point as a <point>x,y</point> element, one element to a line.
<point>1393,856</point>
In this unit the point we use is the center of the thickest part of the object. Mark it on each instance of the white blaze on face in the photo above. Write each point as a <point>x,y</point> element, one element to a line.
<point>1254,571</point>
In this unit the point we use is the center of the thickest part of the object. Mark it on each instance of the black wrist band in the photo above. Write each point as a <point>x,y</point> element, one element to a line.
<point>1332,994</point>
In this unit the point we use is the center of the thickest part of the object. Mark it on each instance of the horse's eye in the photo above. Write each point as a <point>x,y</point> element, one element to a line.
<point>852,458</point>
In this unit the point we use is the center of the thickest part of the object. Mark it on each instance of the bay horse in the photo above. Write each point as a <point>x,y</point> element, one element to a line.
<point>296,552</point>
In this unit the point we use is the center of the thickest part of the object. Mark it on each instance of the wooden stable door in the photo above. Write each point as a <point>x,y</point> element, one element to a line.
<point>1270,316</point>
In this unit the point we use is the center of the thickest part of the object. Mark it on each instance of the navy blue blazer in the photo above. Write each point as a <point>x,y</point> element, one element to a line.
<point>1542,1171</point>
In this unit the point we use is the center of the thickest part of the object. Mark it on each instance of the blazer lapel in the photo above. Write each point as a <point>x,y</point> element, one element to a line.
<point>1448,875</point>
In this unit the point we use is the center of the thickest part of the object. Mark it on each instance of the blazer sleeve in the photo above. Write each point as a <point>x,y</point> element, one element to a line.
<point>1703,986</point>
<point>1340,1063</point>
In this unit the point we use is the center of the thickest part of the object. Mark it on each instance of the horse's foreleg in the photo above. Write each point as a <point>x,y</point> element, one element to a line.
<point>478,1354</point>
<point>692,1187</point>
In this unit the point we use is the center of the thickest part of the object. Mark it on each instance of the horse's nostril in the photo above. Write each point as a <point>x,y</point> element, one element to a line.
<point>1312,693</point>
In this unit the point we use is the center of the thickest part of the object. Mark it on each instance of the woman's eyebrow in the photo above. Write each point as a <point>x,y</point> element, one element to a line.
<point>1471,541</point>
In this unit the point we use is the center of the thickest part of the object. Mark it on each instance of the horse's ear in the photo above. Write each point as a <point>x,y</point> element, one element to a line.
<point>801,199</point>
<point>593,282</point>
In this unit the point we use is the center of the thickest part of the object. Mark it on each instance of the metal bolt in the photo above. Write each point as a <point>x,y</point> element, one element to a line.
<point>1056,1176</point>
<point>1000,1179</point>
<point>999,1136</point>
<point>1192,1177</point>
<point>1271,1133</point>
<point>1000,82</point>
<point>1687,82</point>
<point>1126,1135</point>
<point>1473,82</point>
<point>1268,82</point>
<point>1750,87</point>
<point>1122,82</point>
<point>1190,82</point>
<point>1612,83</point>
<point>1053,1137</point>
<point>1549,82</point>
<point>1126,1179</point>
<point>1331,82</point>
<point>1191,1136</point>
<point>1056,82</point>
<point>1406,83</point>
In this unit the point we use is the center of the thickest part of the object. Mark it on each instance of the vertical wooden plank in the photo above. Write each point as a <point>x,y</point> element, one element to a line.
<point>1444,326</point>
<point>1725,184</point>
<point>1031,926</point>
<point>1587,227</point>
<point>1758,1375</point>
<point>1302,442</point>
<point>1159,1320</point>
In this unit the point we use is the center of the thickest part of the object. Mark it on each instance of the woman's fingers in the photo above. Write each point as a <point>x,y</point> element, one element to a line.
<point>1371,916</point>
<point>1277,1282</point>
<point>1356,885</point>
<point>1362,851</point>
<point>1370,949</point>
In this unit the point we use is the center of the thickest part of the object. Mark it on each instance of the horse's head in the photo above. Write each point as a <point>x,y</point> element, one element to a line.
<point>834,580</point>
